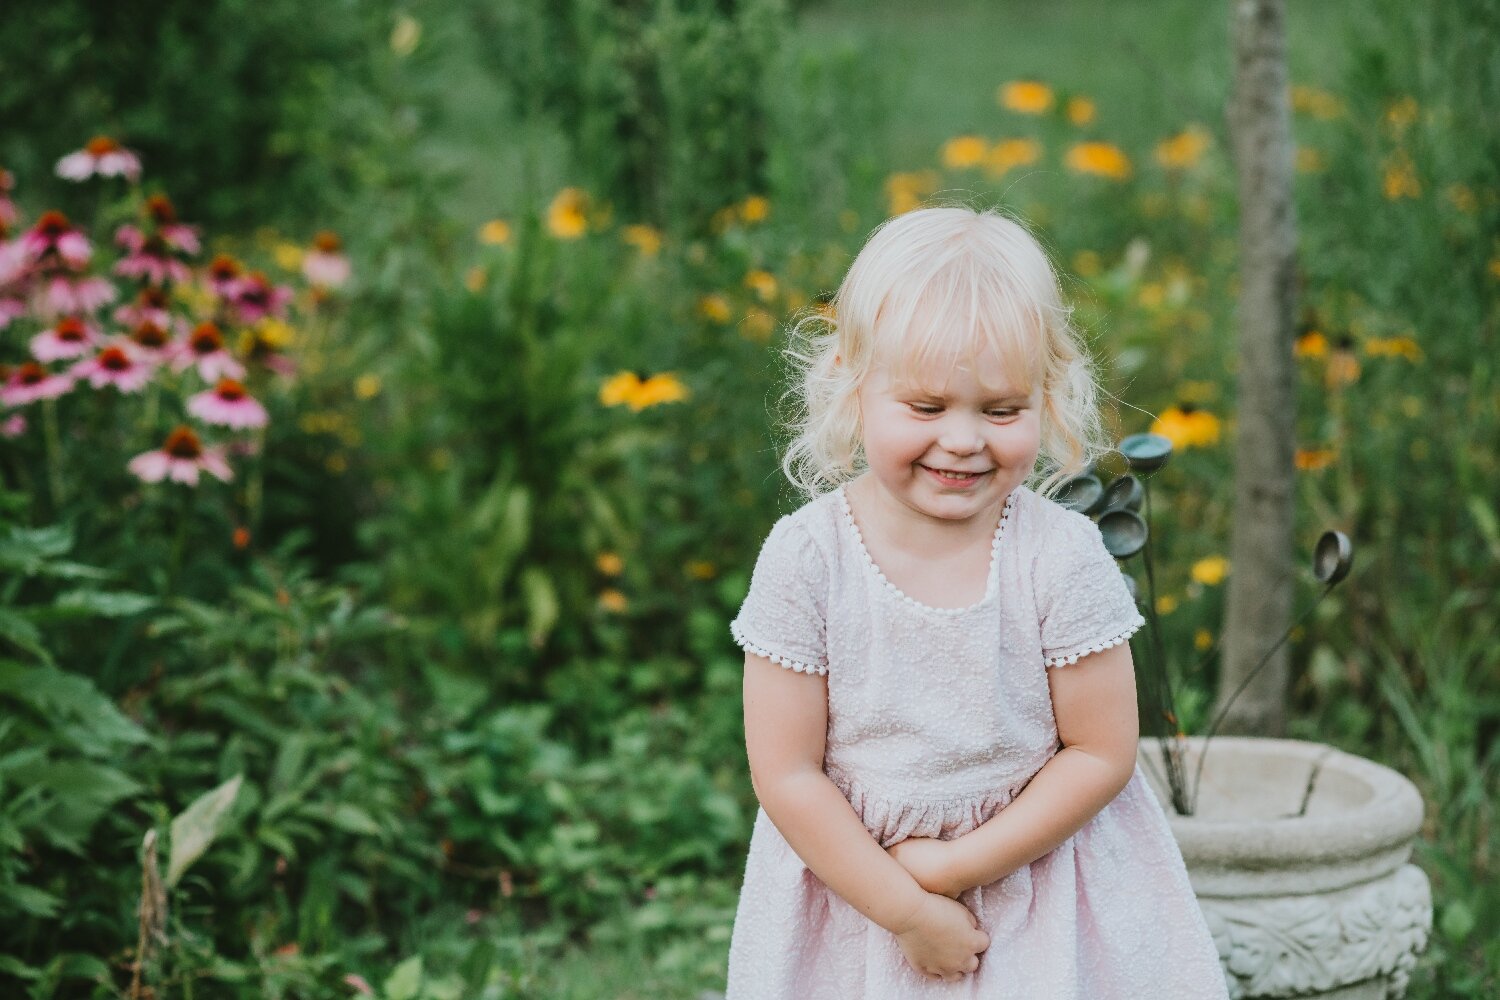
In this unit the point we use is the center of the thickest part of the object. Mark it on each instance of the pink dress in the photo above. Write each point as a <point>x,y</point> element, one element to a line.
<point>937,719</point>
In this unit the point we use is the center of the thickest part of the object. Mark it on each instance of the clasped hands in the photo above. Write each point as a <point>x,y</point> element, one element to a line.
<point>931,863</point>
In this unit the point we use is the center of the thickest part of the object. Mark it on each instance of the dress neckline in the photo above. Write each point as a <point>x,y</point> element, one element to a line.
<point>991,585</point>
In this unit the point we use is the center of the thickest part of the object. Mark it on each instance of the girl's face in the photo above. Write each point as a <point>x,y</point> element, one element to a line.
<point>973,420</point>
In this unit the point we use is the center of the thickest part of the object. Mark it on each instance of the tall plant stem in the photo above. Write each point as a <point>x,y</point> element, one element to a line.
<point>54,454</point>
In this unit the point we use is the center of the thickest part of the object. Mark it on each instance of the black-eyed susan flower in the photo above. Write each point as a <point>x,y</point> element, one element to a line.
<point>613,601</point>
<point>495,232</point>
<point>755,208</point>
<point>1027,97</point>
<point>609,563</point>
<point>1314,459</point>
<point>905,191</point>
<point>1187,426</point>
<point>1343,363</point>
<point>1203,640</point>
<point>1100,159</point>
<point>1399,179</point>
<point>1080,110</point>
<point>762,283</point>
<point>1393,347</point>
<point>1310,344</point>
<point>646,239</point>
<point>714,308</point>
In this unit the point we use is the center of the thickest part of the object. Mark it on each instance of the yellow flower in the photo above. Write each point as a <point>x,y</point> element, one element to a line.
<point>565,216</point>
<point>905,191</point>
<point>1102,159</point>
<point>1309,160</point>
<point>495,232</point>
<point>762,283</point>
<point>336,463</point>
<point>1183,150</point>
<point>630,389</point>
<point>1318,103</point>
<point>963,151</point>
<point>475,278</point>
<point>367,386</point>
<point>1462,198</point>
<point>1086,263</point>
<point>1203,640</point>
<point>714,307</point>
<point>1210,570</point>
<point>288,256</point>
<point>1400,177</point>
<point>1400,113</point>
<point>275,333</point>
<point>609,563</point>
<point>1314,459</point>
<point>755,208</point>
<point>1394,347</point>
<point>1009,153</point>
<point>1186,426</point>
<point>1166,604</point>
<point>1028,97</point>
<point>612,600</point>
<point>1494,267</point>
<point>758,325</point>
<point>1080,110</point>
<point>700,569</point>
<point>1311,344</point>
<point>644,238</point>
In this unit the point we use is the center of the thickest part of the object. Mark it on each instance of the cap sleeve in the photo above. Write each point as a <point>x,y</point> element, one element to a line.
<point>1082,597</point>
<point>783,616</point>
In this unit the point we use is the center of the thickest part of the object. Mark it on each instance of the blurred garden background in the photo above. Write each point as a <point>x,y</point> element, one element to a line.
<point>382,461</point>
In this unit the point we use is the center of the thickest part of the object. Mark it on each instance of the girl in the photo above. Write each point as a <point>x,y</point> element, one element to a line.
<point>940,708</point>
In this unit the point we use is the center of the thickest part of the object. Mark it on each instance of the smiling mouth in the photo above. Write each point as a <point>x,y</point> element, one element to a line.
<point>954,475</point>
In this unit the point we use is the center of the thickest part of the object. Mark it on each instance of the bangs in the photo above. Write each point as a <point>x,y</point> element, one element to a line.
<point>932,323</point>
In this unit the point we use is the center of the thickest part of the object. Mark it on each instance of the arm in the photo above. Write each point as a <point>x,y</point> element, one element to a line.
<point>786,723</point>
<point>1094,702</point>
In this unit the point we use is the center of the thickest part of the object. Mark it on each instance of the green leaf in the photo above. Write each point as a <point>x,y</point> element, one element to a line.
<point>353,819</point>
<point>22,633</point>
<point>541,603</point>
<point>29,899</point>
<point>405,981</point>
<point>197,826</point>
<point>1457,921</point>
<point>108,604</point>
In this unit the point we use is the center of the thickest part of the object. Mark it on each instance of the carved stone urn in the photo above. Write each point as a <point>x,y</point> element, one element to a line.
<point>1298,853</point>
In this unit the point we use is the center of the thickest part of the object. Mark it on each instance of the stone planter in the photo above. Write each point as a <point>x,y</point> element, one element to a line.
<point>1299,855</point>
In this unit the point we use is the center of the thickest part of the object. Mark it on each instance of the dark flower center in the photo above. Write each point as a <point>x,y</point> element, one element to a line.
<point>230,390</point>
<point>149,335</point>
<point>115,360</point>
<point>182,443</point>
<point>31,373</point>
<point>71,328</point>
<point>161,209</point>
<point>101,144</point>
<point>53,224</point>
<point>224,267</point>
<point>206,339</point>
<point>327,241</point>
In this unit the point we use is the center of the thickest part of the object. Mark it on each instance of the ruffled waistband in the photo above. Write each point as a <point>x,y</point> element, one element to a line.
<point>891,819</point>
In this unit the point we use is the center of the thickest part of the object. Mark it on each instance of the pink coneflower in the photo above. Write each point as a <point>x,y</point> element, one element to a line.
<point>10,308</point>
<point>102,156</point>
<point>151,342</point>
<point>254,298</point>
<point>148,257</point>
<point>53,238</point>
<point>150,305</point>
<point>181,458</point>
<point>69,337</point>
<point>116,366</point>
<point>13,426</point>
<point>65,293</point>
<point>224,275</point>
<point>229,404</point>
<point>205,348</point>
<point>177,235</point>
<point>30,382</point>
<point>325,266</point>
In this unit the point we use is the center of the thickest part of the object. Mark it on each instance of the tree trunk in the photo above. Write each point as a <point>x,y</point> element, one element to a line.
<point>1259,602</point>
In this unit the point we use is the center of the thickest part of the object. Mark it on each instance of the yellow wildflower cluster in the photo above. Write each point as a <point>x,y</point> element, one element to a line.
<point>1027,97</point>
<point>1183,150</point>
<point>567,217</point>
<point>762,283</point>
<point>1187,426</point>
<point>1101,159</point>
<point>1400,114</point>
<point>629,389</point>
<point>1311,344</point>
<point>1400,179</point>
<point>609,563</point>
<point>714,308</point>
<point>367,386</point>
<point>1393,347</point>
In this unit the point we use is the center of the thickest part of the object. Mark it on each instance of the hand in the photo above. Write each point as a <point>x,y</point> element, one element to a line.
<point>930,862</point>
<point>942,939</point>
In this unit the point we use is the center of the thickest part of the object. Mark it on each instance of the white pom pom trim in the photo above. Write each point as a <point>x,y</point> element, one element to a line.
<point>786,661</point>
<point>1062,659</point>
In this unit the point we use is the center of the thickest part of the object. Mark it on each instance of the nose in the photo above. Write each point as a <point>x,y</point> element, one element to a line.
<point>960,435</point>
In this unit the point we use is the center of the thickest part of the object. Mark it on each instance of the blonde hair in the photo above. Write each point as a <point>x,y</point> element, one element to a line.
<point>931,286</point>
